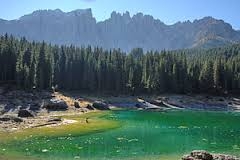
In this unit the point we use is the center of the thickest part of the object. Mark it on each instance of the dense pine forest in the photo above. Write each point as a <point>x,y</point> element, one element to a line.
<point>43,66</point>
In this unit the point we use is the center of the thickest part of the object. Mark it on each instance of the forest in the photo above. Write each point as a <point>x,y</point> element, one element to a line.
<point>32,65</point>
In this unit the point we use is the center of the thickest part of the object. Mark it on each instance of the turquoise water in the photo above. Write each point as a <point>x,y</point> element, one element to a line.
<point>146,135</point>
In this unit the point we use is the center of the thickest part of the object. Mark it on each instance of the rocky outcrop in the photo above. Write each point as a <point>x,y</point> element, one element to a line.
<point>100,105</point>
<point>79,28</point>
<point>55,105</point>
<point>204,155</point>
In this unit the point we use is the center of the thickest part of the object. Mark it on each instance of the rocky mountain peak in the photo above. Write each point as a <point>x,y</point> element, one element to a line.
<point>81,12</point>
<point>79,27</point>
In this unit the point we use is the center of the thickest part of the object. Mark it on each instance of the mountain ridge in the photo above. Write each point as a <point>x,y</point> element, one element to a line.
<point>80,28</point>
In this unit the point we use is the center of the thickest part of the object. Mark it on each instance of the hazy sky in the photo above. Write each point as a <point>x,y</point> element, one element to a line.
<point>168,11</point>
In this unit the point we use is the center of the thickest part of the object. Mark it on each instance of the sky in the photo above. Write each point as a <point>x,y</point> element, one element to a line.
<point>168,11</point>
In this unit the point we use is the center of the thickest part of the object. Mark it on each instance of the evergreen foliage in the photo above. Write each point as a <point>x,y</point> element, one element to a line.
<point>93,69</point>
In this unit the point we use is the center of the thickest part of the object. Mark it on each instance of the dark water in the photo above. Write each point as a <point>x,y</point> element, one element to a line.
<point>143,135</point>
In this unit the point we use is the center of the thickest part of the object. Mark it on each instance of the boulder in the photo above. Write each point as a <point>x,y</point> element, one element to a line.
<point>224,157</point>
<point>200,154</point>
<point>76,104</point>
<point>204,155</point>
<point>100,105</point>
<point>25,113</point>
<point>10,118</point>
<point>90,107</point>
<point>55,105</point>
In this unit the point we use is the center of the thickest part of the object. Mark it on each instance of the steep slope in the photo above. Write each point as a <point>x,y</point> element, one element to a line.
<point>79,28</point>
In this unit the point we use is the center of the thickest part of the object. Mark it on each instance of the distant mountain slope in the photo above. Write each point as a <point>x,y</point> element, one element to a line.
<point>79,27</point>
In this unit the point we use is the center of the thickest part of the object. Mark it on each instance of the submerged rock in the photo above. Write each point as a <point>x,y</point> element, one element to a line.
<point>25,113</point>
<point>204,155</point>
<point>44,150</point>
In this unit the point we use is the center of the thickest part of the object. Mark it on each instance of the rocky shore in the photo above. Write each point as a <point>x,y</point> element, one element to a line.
<point>21,109</point>
<point>171,101</point>
<point>203,102</point>
<point>204,155</point>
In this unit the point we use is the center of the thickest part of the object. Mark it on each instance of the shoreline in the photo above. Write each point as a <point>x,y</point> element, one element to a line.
<point>13,101</point>
<point>75,117</point>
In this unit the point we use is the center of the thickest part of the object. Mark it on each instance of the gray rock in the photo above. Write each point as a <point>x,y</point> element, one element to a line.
<point>204,155</point>
<point>224,157</point>
<point>55,105</point>
<point>100,105</point>
<point>200,154</point>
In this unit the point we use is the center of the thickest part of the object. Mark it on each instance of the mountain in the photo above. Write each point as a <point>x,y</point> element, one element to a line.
<point>79,28</point>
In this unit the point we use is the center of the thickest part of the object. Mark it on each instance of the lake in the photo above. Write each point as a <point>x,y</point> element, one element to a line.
<point>139,135</point>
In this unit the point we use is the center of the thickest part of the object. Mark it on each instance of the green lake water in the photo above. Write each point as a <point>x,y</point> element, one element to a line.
<point>141,135</point>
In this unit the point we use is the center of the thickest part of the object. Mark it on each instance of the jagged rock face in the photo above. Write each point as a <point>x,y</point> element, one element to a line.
<point>79,28</point>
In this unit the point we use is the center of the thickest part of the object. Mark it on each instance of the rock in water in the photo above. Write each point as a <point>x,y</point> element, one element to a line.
<point>100,105</point>
<point>204,155</point>
<point>201,155</point>
<point>55,105</point>
<point>224,157</point>
<point>44,150</point>
<point>25,113</point>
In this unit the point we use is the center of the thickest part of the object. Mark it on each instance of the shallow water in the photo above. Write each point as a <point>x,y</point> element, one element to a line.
<point>142,135</point>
